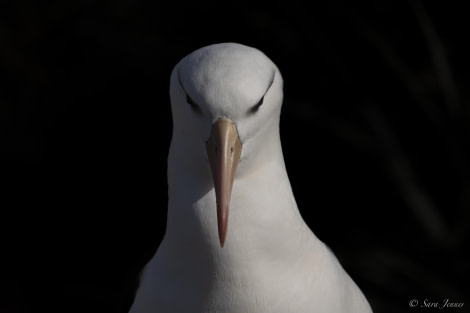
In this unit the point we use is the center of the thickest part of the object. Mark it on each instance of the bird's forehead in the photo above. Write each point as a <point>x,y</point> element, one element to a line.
<point>227,71</point>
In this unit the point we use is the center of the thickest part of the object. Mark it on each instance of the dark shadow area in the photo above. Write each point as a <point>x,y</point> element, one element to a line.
<point>379,88</point>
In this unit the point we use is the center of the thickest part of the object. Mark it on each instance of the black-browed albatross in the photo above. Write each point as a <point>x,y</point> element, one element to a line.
<point>235,240</point>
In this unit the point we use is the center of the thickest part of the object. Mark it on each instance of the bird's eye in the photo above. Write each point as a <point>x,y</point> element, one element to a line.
<point>193,104</point>
<point>256,107</point>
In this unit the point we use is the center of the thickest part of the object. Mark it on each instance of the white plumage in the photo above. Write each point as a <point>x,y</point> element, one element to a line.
<point>240,248</point>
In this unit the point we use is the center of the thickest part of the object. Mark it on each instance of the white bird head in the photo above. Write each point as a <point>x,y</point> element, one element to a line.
<point>226,100</point>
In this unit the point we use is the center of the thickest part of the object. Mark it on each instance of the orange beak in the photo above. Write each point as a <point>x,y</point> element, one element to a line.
<point>223,149</point>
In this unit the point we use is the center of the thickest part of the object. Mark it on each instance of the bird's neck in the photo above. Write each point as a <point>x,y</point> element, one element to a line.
<point>263,215</point>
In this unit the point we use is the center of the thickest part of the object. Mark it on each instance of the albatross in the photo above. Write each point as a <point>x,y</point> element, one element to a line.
<point>235,240</point>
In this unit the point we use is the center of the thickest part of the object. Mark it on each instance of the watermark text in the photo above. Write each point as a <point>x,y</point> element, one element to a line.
<point>441,304</point>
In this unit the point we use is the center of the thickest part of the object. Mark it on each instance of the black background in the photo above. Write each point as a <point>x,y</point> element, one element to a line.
<point>378,91</point>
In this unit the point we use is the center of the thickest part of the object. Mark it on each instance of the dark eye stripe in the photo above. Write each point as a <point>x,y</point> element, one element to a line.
<point>256,107</point>
<point>193,104</point>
